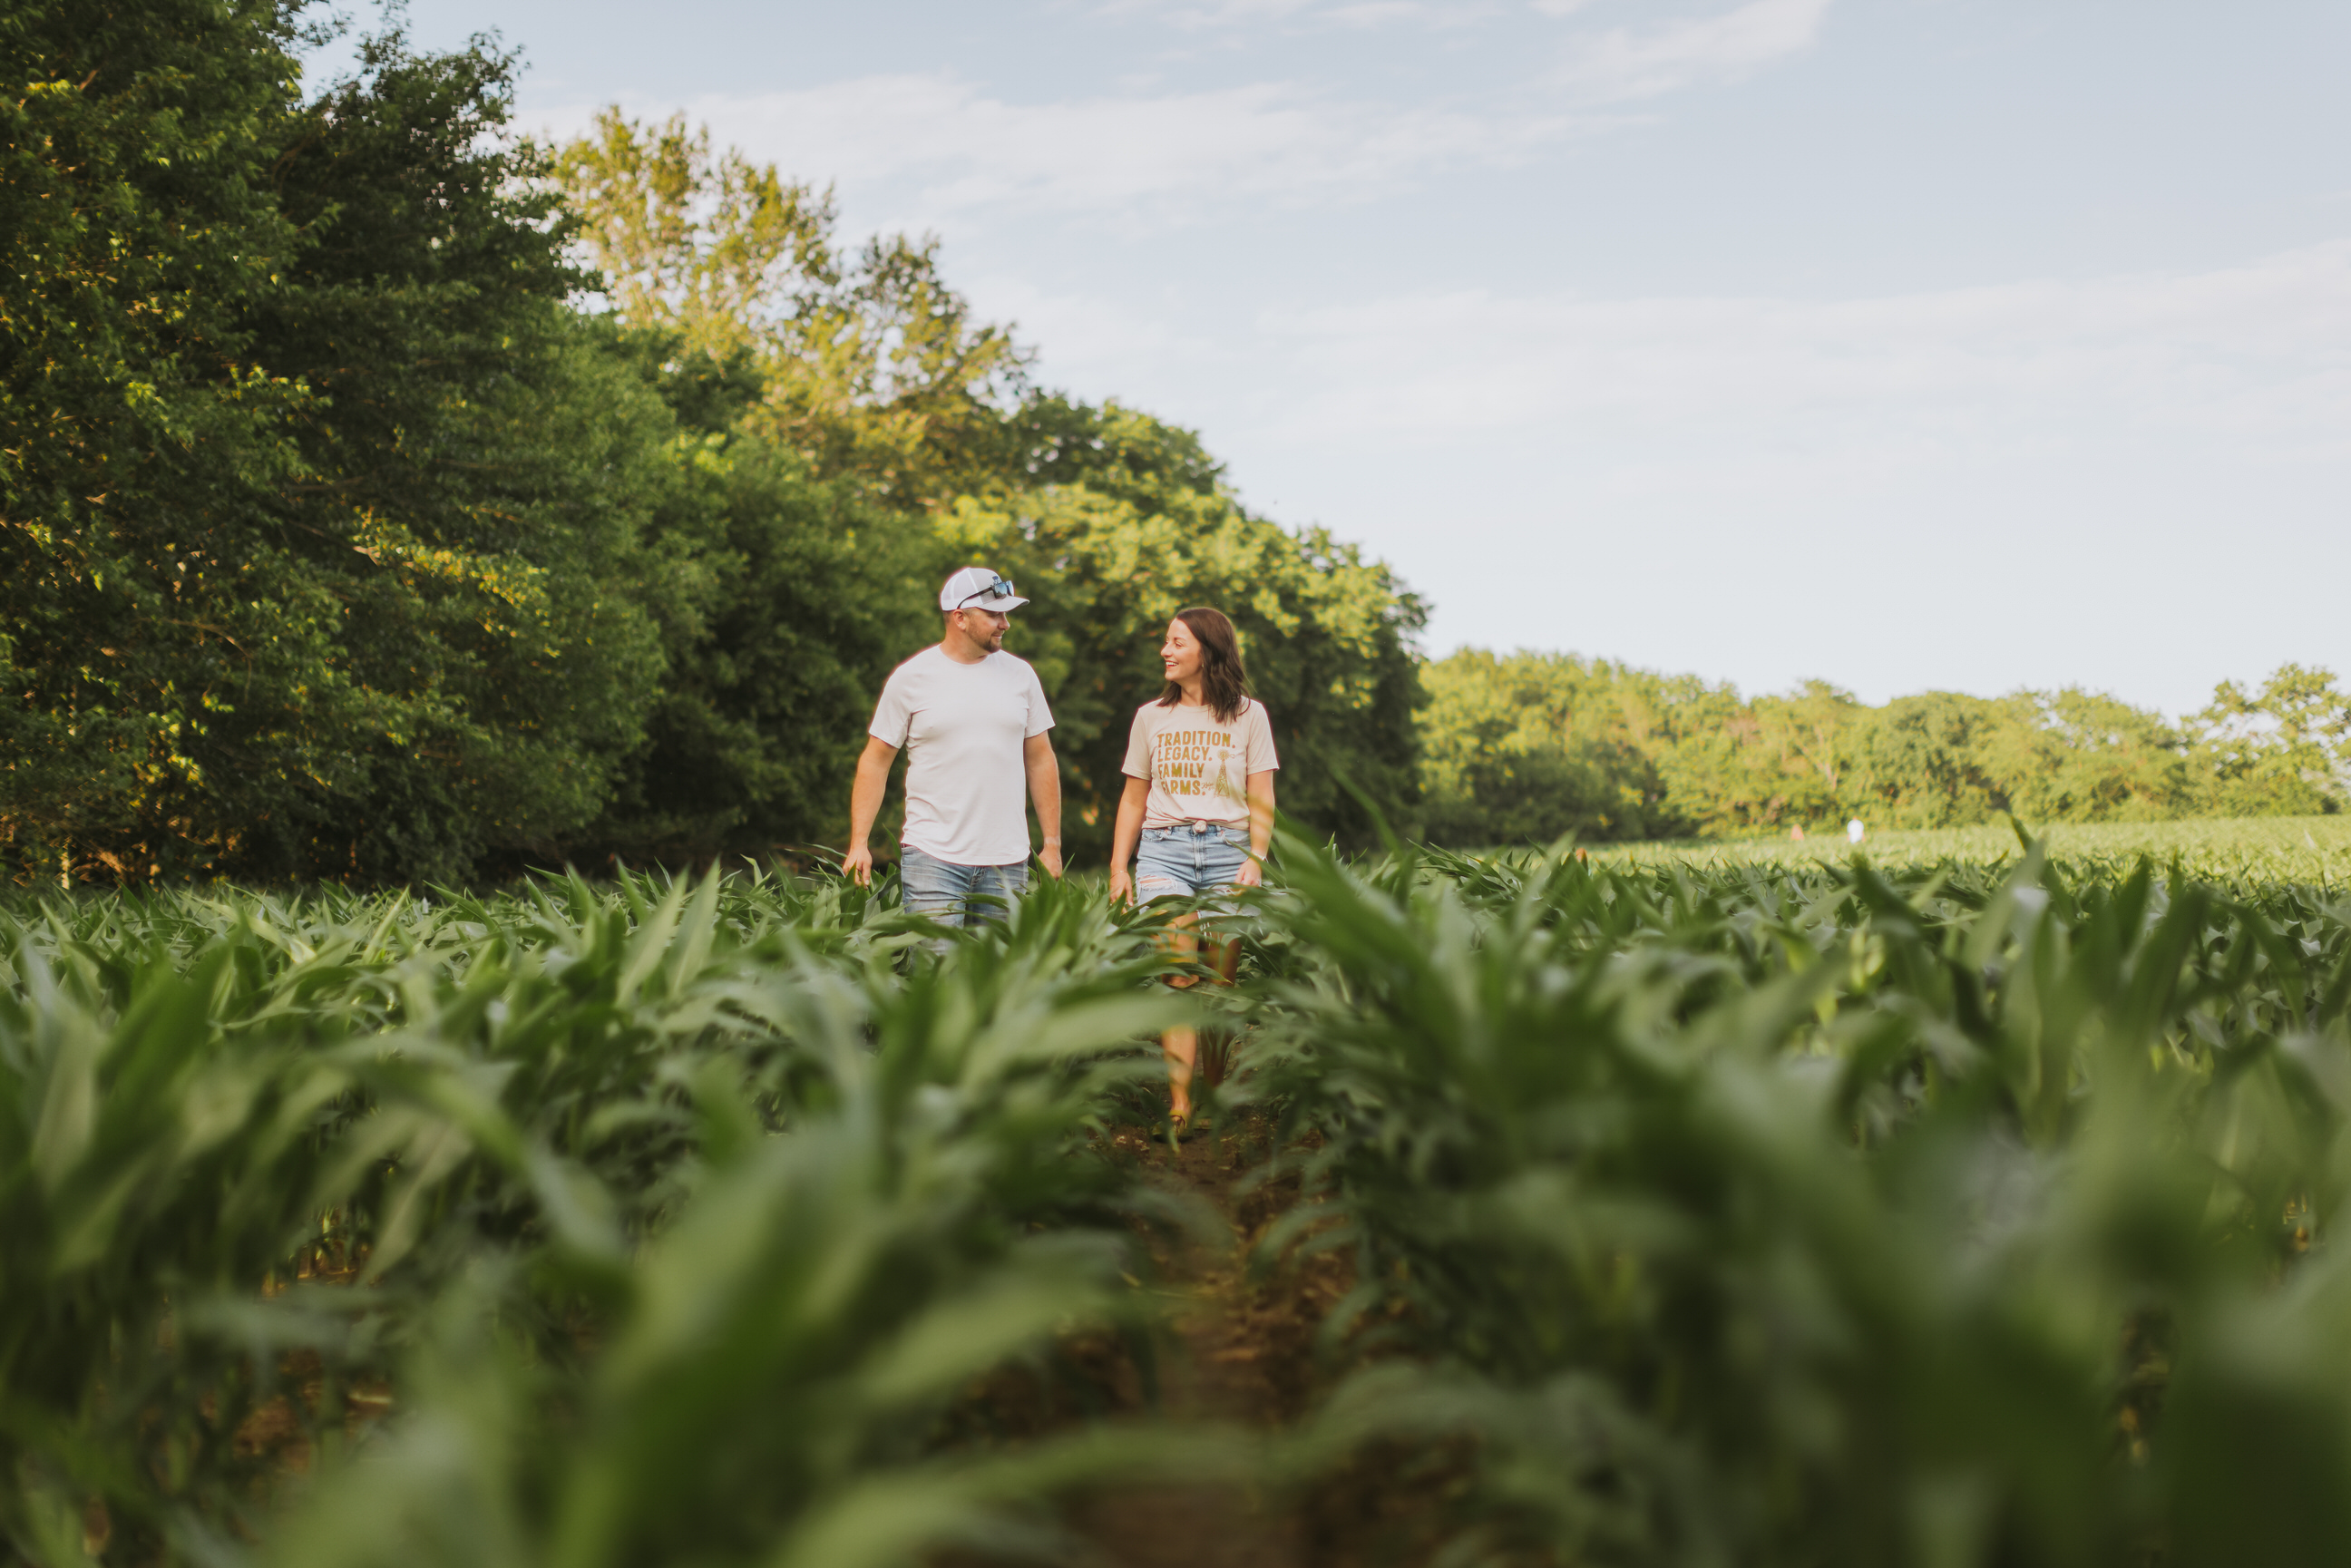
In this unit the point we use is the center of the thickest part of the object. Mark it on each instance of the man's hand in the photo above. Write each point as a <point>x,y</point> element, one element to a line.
<point>1051,855</point>
<point>864,805</point>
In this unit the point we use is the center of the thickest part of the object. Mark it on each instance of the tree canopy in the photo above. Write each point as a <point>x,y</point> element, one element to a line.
<point>320,505</point>
<point>1532,745</point>
<point>387,497</point>
<point>383,497</point>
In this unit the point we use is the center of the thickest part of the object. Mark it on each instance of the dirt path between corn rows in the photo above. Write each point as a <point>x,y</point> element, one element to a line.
<point>1243,1353</point>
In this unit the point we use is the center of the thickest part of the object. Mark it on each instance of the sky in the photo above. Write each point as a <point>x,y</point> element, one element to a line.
<point>1905,344</point>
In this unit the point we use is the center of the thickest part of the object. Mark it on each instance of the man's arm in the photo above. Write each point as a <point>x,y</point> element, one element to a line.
<point>1045,794</point>
<point>864,805</point>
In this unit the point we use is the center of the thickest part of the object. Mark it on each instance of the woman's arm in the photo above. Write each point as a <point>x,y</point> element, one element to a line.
<point>1260,805</point>
<point>1126,832</point>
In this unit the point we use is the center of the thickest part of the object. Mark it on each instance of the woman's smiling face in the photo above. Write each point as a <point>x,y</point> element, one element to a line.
<point>1181,652</point>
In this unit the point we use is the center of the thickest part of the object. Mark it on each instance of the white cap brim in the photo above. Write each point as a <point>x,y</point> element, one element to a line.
<point>1007,603</point>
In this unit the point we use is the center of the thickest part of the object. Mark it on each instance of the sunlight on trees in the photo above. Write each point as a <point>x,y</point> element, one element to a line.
<point>389,498</point>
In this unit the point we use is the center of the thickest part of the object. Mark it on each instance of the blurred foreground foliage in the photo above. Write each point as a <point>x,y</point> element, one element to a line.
<point>1949,1214</point>
<point>1821,1214</point>
<point>671,1223</point>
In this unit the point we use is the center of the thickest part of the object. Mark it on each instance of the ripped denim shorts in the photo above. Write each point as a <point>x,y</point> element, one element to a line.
<point>1189,860</point>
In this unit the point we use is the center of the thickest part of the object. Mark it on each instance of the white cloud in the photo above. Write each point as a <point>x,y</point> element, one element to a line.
<point>1228,14</point>
<point>1096,342</point>
<point>1643,62</point>
<point>1151,160</point>
<point>2135,482</point>
<point>2257,356</point>
<point>947,151</point>
<point>1389,13</point>
<point>1211,13</point>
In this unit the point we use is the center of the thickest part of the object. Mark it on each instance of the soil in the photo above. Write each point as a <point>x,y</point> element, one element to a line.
<point>1243,1351</point>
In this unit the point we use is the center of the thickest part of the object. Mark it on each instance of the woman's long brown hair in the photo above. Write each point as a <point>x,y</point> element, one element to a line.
<point>1224,684</point>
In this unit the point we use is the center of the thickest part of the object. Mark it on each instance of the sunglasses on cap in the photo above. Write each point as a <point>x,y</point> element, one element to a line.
<point>1000,589</point>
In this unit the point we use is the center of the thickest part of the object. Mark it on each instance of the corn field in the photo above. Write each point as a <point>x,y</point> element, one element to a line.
<point>2315,850</point>
<point>1948,1213</point>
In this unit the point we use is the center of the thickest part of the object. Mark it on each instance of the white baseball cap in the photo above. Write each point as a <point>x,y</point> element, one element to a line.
<point>978,587</point>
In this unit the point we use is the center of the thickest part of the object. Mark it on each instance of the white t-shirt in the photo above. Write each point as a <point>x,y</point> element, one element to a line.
<point>1199,769</point>
<point>963,728</point>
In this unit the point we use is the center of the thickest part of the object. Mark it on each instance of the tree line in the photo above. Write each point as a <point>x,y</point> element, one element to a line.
<point>1533,745</point>
<point>386,496</point>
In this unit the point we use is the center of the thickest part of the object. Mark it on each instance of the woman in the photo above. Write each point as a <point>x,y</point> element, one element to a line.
<point>1198,812</point>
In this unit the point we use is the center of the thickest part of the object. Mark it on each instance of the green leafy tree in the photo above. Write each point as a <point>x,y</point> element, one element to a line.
<point>1532,747</point>
<point>1128,521</point>
<point>1914,763</point>
<point>861,432</point>
<point>874,369</point>
<point>2083,757</point>
<point>827,403</point>
<point>1805,736</point>
<point>134,224</point>
<point>724,252</point>
<point>787,598</point>
<point>477,494</point>
<point>325,543</point>
<point>2283,750</point>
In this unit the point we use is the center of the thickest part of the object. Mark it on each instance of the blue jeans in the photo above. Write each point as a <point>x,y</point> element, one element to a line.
<point>944,891</point>
<point>1188,859</point>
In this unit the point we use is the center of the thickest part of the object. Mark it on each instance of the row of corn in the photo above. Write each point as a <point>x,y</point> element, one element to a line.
<point>1820,1217</point>
<point>634,1223</point>
<point>1952,1216</point>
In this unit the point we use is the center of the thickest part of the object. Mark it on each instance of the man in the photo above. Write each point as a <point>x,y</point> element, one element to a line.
<point>974,723</point>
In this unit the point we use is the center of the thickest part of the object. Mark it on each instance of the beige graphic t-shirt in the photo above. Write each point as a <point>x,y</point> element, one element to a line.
<point>1199,769</point>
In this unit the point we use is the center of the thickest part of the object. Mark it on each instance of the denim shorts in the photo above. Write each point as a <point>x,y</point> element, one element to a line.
<point>944,891</point>
<point>1188,859</point>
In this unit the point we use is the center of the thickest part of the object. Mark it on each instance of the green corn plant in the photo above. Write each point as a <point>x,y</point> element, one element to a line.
<point>1951,1212</point>
<point>522,1118</point>
<point>771,1383</point>
<point>1827,1218</point>
<point>169,1118</point>
<point>896,1201</point>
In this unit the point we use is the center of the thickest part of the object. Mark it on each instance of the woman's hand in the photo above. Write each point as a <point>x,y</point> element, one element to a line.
<point>1121,886</point>
<point>1251,874</point>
